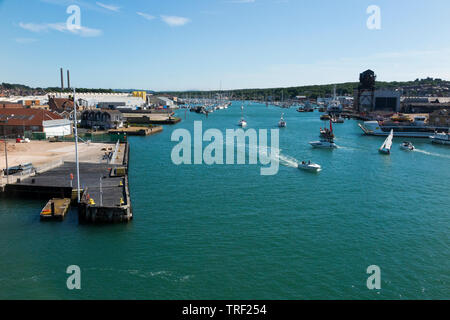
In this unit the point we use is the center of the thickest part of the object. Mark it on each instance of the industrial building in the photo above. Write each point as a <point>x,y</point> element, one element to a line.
<point>16,122</point>
<point>109,101</point>
<point>368,99</point>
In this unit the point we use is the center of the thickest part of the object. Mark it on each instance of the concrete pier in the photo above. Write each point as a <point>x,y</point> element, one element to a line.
<point>105,196</point>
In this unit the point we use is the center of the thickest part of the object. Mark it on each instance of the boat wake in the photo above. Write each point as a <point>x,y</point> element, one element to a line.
<point>432,154</point>
<point>288,161</point>
<point>276,155</point>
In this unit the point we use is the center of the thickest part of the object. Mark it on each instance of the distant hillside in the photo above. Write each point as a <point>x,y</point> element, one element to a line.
<point>418,87</point>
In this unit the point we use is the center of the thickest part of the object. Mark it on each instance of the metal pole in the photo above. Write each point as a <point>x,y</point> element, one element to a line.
<point>76,145</point>
<point>6,159</point>
<point>101,193</point>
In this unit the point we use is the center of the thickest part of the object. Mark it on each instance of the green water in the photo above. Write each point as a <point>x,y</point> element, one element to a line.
<point>226,232</point>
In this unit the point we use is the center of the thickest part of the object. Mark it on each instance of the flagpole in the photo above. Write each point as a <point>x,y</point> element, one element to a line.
<point>76,145</point>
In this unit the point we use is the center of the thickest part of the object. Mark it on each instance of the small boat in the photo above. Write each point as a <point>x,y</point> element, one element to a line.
<point>309,166</point>
<point>282,123</point>
<point>387,144</point>
<point>325,117</point>
<point>324,144</point>
<point>242,123</point>
<point>406,145</point>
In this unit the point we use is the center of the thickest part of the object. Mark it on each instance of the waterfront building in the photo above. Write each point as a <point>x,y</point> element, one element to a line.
<point>101,119</point>
<point>16,122</point>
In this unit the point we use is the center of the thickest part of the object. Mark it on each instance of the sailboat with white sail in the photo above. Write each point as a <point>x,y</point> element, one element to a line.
<point>387,144</point>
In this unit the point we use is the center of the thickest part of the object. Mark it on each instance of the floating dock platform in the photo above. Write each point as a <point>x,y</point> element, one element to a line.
<point>55,209</point>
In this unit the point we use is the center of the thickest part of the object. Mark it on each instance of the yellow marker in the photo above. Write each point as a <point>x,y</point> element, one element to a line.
<point>121,201</point>
<point>91,201</point>
<point>120,184</point>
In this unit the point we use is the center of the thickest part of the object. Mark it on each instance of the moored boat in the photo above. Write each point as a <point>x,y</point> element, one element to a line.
<point>415,129</point>
<point>441,138</point>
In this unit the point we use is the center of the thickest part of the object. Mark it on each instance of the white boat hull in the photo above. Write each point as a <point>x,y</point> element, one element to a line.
<point>313,167</point>
<point>323,144</point>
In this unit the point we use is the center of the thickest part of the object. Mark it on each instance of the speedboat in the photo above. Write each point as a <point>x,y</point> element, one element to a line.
<point>324,144</point>
<point>282,123</point>
<point>406,145</point>
<point>309,166</point>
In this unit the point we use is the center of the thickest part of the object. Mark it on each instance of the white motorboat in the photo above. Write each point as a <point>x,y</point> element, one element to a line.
<point>282,123</point>
<point>408,146</point>
<point>309,166</point>
<point>324,144</point>
<point>387,144</point>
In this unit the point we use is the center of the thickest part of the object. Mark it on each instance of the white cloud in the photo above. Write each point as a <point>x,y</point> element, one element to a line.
<point>175,21</point>
<point>110,7</point>
<point>146,15</point>
<point>61,27</point>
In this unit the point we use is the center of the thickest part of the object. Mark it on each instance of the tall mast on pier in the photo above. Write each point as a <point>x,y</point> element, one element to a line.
<point>76,143</point>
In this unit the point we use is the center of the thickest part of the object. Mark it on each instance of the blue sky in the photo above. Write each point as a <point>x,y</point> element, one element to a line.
<point>200,44</point>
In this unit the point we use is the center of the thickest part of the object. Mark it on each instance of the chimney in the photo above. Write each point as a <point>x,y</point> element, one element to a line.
<point>68,79</point>
<point>62,79</point>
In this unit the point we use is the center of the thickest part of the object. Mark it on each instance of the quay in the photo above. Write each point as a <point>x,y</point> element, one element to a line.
<point>150,118</point>
<point>104,197</point>
<point>137,131</point>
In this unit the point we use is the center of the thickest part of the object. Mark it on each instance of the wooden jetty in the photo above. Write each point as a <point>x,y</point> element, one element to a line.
<point>55,209</point>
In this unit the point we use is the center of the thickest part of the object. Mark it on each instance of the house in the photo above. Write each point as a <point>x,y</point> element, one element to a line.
<point>60,104</point>
<point>15,122</point>
<point>102,119</point>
